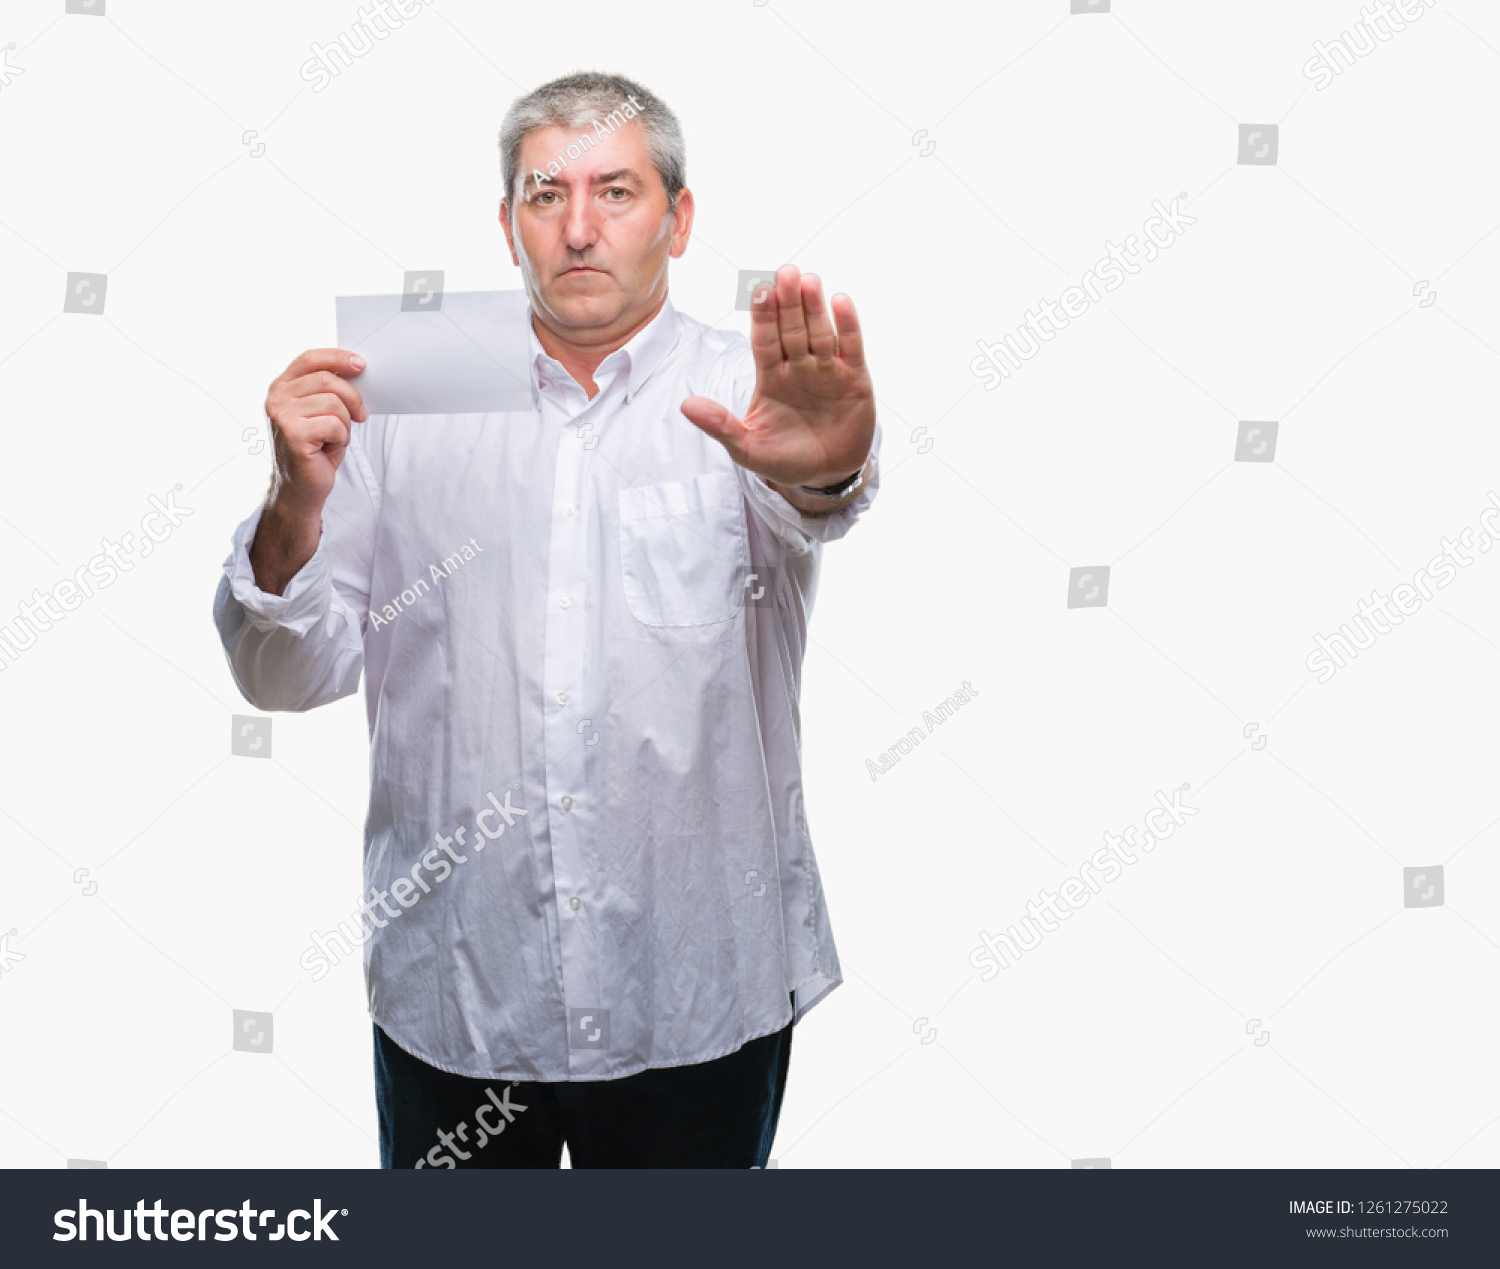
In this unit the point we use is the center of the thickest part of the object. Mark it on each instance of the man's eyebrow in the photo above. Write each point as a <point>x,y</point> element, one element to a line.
<point>539,179</point>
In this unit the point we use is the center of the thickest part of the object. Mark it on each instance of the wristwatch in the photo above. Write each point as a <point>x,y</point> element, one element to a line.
<point>834,492</point>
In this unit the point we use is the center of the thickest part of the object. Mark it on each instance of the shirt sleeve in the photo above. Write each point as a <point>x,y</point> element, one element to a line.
<point>790,526</point>
<point>304,648</point>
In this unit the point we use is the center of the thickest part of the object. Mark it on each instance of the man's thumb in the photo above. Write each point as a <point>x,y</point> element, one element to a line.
<point>709,416</point>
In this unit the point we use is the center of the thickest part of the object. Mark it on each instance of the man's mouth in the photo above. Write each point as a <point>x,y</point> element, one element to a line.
<point>580,270</point>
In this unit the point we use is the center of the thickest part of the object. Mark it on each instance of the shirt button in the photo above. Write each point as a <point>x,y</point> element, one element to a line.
<point>565,601</point>
<point>575,903</point>
<point>570,511</point>
<point>562,698</point>
<point>567,803</point>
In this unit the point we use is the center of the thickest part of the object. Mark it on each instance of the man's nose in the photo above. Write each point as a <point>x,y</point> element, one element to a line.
<point>582,228</point>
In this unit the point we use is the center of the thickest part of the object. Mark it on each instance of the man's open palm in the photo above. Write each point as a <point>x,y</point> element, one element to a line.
<point>812,418</point>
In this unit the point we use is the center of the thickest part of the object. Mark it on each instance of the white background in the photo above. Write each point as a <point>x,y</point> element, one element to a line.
<point>1130,1032</point>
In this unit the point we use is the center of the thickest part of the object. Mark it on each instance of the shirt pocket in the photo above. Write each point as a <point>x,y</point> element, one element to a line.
<point>683,546</point>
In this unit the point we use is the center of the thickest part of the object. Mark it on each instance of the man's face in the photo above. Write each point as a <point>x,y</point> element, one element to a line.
<point>593,241</point>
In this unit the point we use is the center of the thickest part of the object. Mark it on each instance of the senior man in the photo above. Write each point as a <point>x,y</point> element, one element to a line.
<point>597,676</point>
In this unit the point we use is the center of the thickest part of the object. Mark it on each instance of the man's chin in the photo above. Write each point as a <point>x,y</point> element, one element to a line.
<point>575,307</point>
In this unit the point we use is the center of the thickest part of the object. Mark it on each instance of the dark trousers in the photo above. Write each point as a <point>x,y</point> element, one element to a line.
<point>718,1114</point>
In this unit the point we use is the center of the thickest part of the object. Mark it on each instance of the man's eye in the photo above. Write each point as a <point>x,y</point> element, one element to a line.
<point>617,189</point>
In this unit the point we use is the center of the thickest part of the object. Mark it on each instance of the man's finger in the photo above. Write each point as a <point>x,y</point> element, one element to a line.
<point>820,336</point>
<point>325,381</point>
<point>325,429</point>
<point>791,321</point>
<point>321,403</point>
<point>338,360</point>
<point>851,342</point>
<point>765,338</point>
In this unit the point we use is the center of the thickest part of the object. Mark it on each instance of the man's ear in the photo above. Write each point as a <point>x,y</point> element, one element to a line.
<point>682,222</point>
<point>510,236</point>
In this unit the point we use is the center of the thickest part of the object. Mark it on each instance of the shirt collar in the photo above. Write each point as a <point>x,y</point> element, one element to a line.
<point>646,352</point>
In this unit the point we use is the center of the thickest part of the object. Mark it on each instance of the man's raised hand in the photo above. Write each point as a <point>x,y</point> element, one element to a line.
<point>812,418</point>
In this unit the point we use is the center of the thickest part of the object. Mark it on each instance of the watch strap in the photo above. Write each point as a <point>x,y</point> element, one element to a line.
<point>834,491</point>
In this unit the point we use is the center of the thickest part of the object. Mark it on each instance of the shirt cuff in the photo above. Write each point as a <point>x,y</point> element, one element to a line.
<point>796,527</point>
<point>308,594</point>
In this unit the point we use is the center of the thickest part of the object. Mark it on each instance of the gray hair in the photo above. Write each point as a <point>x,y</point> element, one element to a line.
<point>577,100</point>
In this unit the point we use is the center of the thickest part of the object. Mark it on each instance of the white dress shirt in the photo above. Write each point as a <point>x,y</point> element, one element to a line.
<point>582,632</point>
